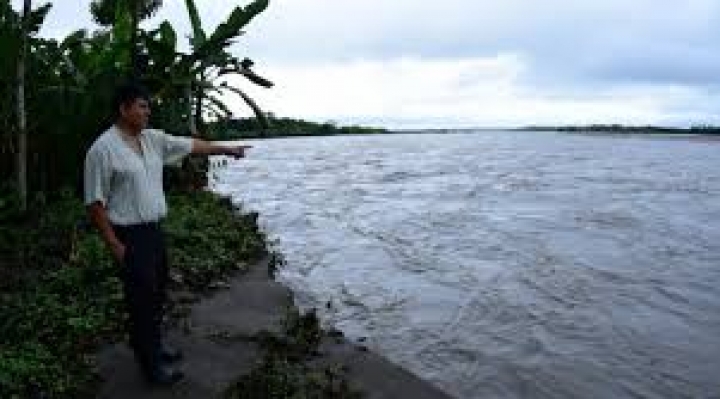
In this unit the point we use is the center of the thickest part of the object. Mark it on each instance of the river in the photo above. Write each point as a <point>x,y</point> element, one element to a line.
<point>501,264</point>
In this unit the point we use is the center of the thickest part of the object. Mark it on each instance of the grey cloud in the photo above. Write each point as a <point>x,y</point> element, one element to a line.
<point>680,65</point>
<point>664,41</point>
<point>574,49</point>
<point>667,42</point>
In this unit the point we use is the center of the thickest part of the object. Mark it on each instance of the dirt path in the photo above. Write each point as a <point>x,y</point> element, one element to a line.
<point>253,302</point>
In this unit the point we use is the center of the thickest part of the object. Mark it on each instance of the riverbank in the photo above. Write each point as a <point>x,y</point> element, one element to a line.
<point>241,334</point>
<point>248,128</point>
<point>247,341</point>
<point>622,129</point>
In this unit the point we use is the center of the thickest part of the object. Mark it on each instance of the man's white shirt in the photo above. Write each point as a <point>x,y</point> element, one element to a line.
<point>128,183</point>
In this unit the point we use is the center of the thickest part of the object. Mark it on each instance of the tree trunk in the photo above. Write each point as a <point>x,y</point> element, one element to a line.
<point>135,22</point>
<point>198,108</point>
<point>193,175</point>
<point>191,114</point>
<point>22,118</point>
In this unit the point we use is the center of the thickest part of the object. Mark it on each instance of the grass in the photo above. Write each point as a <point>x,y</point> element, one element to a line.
<point>62,298</point>
<point>286,369</point>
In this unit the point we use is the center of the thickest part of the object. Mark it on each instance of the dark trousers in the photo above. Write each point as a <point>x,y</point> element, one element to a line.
<point>144,275</point>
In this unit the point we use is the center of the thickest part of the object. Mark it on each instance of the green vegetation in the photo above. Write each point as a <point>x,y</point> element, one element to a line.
<point>60,296</point>
<point>230,129</point>
<point>60,293</point>
<point>64,297</point>
<point>49,326</point>
<point>615,128</point>
<point>67,84</point>
<point>220,243</point>
<point>286,370</point>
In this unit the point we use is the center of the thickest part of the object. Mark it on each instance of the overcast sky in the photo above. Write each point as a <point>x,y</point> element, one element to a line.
<point>471,63</point>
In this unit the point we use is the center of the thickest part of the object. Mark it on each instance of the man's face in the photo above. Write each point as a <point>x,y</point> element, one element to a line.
<point>136,114</point>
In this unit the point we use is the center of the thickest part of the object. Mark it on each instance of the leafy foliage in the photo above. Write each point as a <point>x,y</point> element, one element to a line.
<point>285,372</point>
<point>70,83</point>
<point>229,129</point>
<point>198,33</point>
<point>103,11</point>
<point>60,296</point>
<point>206,242</point>
<point>65,304</point>
<point>233,26</point>
<point>279,378</point>
<point>69,300</point>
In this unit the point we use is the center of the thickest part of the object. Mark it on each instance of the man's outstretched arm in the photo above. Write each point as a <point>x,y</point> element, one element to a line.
<point>202,147</point>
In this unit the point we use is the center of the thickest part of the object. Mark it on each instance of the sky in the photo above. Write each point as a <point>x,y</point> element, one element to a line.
<point>407,64</point>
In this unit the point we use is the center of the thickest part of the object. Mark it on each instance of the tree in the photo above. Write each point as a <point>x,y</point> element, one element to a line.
<point>124,17</point>
<point>104,11</point>
<point>210,60</point>
<point>187,84</point>
<point>15,36</point>
<point>68,84</point>
<point>22,122</point>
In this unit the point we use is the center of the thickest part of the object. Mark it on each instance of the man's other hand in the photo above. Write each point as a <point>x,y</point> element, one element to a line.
<point>118,251</point>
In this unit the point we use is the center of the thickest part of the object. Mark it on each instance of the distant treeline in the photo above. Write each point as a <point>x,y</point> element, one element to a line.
<point>615,128</point>
<point>282,127</point>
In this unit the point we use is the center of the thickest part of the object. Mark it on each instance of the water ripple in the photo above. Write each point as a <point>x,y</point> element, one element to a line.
<point>506,264</point>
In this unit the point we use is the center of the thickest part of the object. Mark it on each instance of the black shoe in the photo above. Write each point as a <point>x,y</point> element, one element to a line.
<point>170,355</point>
<point>163,376</point>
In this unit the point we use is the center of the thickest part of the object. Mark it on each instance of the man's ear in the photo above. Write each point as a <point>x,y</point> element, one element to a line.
<point>127,106</point>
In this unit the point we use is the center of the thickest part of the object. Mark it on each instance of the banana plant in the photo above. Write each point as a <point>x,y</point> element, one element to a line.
<point>104,11</point>
<point>209,60</point>
<point>124,17</point>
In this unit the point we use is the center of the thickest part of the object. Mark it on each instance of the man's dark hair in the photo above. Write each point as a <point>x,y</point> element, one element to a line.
<point>127,93</point>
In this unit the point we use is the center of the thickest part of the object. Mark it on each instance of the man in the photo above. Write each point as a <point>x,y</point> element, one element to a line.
<point>126,202</point>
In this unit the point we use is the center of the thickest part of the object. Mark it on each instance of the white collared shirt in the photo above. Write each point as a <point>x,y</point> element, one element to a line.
<point>129,184</point>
